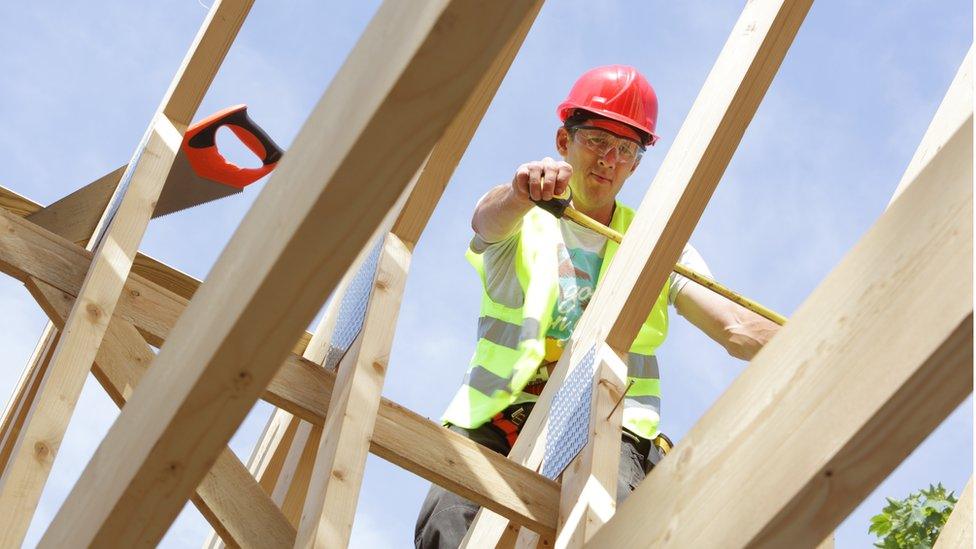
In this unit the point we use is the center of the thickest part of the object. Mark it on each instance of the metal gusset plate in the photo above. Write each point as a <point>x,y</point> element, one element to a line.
<point>569,418</point>
<point>352,308</point>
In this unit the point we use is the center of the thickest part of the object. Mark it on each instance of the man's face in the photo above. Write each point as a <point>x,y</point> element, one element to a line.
<point>597,178</point>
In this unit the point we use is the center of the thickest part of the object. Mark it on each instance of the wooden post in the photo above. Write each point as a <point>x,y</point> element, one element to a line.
<point>303,388</point>
<point>76,216</point>
<point>842,394</point>
<point>330,506</point>
<point>329,510</point>
<point>22,401</point>
<point>953,112</point>
<point>667,216</point>
<point>589,489</point>
<point>115,244</point>
<point>323,202</point>
<point>958,530</point>
<point>228,497</point>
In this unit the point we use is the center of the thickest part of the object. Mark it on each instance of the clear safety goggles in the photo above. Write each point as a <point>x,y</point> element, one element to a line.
<point>601,142</point>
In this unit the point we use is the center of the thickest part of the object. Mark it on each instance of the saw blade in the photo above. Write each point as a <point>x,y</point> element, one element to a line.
<point>185,189</point>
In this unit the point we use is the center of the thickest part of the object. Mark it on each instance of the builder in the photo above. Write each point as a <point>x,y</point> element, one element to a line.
<point>539,272</point>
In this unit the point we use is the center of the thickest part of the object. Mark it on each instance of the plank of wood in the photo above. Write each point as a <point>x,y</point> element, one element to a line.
<point>451,146</point>
<point>22,401</point>
<point>30,250</point>
<point>330,507</point>
<point>151,269</point>
<point>76,215</point>
<point>240,325</point>
<point>695,163</point>
<point>17,204</point>
<point>827,543</point>
<point>671,208</point>
<point>954,110</point>
<point>438,168</point>
<point>265,462</point>
<point>958,530</point>
<point>293,483</point>
<point>228,496</point>
<point>302,387</point>
<point>115,243</point>
<point>589,484</point>
<point>841,396</point>
<point>35,451</point>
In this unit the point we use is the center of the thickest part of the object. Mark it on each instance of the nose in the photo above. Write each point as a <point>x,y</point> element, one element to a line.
<point>608,159</point>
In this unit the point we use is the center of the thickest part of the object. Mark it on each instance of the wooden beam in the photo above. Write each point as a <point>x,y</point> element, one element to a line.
<point>241,324</point>
<point>116,240</point>
<point>954,110</point>
<point>296,473</point>
<point>331,503</point>
<point>147,299</point>
<point>228,497</point>
<point>35,451</point>
<point>303,388</point>
<point>589,484</point>
<point>17,204</point>
<point>841,396</point>
<point>76,215</point>
<point>671,208</point>
<point>55,220</point>
<point>330,507</point>
<point>22,401</point>
<point>958,530</point>
<point>265,462</point>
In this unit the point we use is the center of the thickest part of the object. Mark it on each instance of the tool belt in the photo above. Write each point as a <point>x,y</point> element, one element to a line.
<point>510,421</point>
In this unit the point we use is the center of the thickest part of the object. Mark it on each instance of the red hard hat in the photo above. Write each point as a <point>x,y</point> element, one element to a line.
<point>617,92</point>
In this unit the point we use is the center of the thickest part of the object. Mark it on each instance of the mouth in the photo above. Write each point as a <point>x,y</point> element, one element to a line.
<point>601,179</point>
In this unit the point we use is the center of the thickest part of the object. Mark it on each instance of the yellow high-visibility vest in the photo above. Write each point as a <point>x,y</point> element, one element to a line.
<point>511,342</point>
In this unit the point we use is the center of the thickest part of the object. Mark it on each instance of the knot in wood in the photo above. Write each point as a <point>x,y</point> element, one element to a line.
<point>94,311</point>
<point>41,450</point>
<point>243,379</point>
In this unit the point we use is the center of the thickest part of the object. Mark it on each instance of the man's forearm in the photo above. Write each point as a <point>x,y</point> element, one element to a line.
<point>499,214</point>
<point>740,331</point>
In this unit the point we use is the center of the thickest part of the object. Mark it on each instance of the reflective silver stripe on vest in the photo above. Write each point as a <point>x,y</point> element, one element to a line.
<point>507,334</point>
<point>642,366</point>
<point>485,381</point>
<point>647,402</point>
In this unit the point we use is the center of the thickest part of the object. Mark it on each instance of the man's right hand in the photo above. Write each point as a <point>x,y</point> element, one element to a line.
<point>541,179</point>
<point>499,213</point>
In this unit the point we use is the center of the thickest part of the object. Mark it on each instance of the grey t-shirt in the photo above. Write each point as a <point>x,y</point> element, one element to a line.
<point>580,256</point>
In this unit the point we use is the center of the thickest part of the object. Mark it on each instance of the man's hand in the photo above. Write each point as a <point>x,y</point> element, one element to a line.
<point>741,331</point>
<point>499,213</point>
<point>541,179</point>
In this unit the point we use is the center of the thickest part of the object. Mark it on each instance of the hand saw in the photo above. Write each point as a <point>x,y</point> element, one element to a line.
<point>201,174</point>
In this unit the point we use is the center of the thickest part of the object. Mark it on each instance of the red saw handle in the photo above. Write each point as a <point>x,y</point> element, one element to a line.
<point>200,147</point>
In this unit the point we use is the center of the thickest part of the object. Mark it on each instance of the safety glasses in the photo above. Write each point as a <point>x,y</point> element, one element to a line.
<point>601,142</point>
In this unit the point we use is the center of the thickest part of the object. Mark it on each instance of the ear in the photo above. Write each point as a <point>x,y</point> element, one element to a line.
<point>562,141</point>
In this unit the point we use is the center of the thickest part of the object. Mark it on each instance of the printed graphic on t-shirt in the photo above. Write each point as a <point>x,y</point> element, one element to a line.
<point>578,271</point>
<point>580,256</point>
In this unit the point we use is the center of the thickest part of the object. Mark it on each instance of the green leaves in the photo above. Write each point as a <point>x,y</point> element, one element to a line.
<point>914,522</point>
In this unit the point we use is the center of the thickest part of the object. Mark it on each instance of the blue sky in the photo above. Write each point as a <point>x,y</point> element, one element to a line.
<point>815,169</point>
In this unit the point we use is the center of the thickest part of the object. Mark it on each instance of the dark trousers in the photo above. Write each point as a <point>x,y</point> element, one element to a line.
<point>445,517</point>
